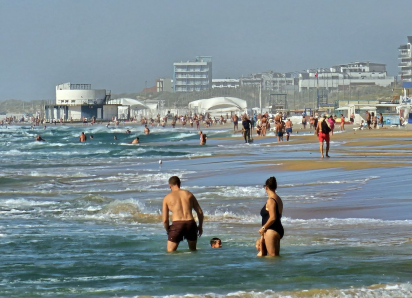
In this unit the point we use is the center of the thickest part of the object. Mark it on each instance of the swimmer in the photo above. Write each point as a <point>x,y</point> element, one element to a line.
<point>128,131</point>
<point>135,141</point>
<point>146,130</point>
<point>203,138</point>
<point>115,137</point>
<point>216,243</point>
<point>82,138</point>
<point>91,137</point>
<point>40,139</point>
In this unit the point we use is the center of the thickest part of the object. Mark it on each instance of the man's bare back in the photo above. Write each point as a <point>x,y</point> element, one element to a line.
<point>181,203</point>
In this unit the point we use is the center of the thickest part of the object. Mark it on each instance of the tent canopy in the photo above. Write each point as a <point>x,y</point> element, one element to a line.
<point>133,103</point>
<point>219,103</point>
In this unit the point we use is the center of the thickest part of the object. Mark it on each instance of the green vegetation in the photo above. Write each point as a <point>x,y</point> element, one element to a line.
<point>17,106</point>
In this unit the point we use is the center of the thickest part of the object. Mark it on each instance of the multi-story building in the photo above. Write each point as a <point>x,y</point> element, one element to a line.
<point>225,83</point>
<point>346,75</point>
<point>406,60</point>
<point>356,67</point>
<point>270,80</point>
<point>193,75</point>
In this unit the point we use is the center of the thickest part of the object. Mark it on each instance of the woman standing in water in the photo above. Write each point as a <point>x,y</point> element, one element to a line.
<point>272,229</point>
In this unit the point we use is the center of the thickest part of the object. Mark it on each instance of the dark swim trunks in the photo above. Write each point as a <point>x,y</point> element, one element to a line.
<point>186,229</point>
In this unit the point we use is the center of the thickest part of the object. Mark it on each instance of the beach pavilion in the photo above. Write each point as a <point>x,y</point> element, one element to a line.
<point>128,107</point>
<point>218,105</point>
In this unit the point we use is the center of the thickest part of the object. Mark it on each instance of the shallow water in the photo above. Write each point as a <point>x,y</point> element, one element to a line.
<point>83,220</point>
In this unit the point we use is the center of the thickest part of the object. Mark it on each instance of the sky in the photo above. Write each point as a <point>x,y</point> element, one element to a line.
<point>123,45</point>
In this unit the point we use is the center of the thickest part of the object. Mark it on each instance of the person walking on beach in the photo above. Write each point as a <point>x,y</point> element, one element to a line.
<point>368,120</point>
<point>352,118</point>
<point>331,122</point>
<point>380,120</point>
<point>315,122</point>
<point>304,121</point>
<point>288,126</point>
<point>271,213</point>
<point>235,123</point>
<point>322,131</point>
<point>181,203</point>
<point>246,128</point>
<point>263,125</point>
<point>342,122</point>
<point>280,127</point>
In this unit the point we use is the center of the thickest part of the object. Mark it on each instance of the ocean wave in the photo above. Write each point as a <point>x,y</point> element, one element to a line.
<point>378,290</point>
<point>337,222</point>
<point>356,181</point>
<point>22,203</point>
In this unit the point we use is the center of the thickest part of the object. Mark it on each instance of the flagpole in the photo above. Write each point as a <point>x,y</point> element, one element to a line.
<point>260,98</point>
<point>317,89</point>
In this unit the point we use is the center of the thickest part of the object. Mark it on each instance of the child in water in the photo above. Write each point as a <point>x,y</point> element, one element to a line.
<point>261,247</point>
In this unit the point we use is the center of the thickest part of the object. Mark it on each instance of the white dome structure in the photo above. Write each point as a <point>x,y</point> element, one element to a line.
<point>133,103</point>
<point>224,104</point>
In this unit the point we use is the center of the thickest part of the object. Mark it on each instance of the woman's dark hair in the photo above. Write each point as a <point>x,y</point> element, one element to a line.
<point>271,183</point>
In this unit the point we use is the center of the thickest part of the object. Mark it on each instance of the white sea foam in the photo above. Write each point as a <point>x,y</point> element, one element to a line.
<point>183,135</point>
<point>339,222</point>
<point>402,290</point>
<point>16,203</point>
<point>356,181</point>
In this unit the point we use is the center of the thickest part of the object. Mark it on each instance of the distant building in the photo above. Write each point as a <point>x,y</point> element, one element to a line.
<point>406,61</point>
<point>225,83</point>
<point>193,75</point>
<point>270,80</point>
<point>79,94</point>
<point>164,85</point>
<point>78,101</point>
<point>346,75</point>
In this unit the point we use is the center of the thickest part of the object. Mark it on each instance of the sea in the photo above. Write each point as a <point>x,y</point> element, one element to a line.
<point>84,219</point>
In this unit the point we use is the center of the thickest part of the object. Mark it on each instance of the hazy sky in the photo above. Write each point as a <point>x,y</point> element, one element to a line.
<point>118,45</point>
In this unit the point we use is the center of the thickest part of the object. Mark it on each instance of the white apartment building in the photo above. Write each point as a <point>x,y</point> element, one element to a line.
<point>406,61</point>
<point>193,75</point>
<point>346,75</point>
<point>225,83</point>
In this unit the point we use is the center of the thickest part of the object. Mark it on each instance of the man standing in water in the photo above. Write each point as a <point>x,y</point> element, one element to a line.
<point>82,137</point>
<point>246,128</point>
<point>181,203</point>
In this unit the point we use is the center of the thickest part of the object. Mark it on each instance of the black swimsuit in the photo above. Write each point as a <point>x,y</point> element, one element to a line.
<point>277,225</point>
